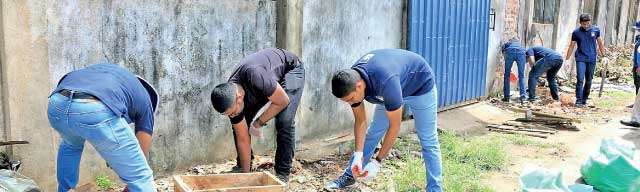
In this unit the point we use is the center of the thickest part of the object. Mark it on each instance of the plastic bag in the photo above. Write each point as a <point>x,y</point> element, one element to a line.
<point>11,181</point>
<point>614,167</point>
<point>537,179</point>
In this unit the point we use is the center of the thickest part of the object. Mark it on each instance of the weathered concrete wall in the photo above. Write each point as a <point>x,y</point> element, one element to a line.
<point>495,59</point>
<point>25,87</point>
<point>184,47</point>
<point>334,36</point>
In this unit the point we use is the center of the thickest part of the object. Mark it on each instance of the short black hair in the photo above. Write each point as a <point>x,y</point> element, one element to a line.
<point>344,82</point>
<point>223,96</point>
<point>585,17</point>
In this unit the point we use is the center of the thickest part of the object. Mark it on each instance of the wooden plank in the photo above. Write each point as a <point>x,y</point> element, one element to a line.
<point>519,133</point>
<point>179,185</point>
<point>258,181</point>
<point>269,188</point>
<point>503,127</point>
<point>273,177</point>
<point>2,143</point>
<point>515,109</point>
<point>518,124</point>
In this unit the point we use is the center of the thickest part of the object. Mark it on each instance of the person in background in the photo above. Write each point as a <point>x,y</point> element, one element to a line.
<point>546,61</point>
<point>587,38</point>
<point>635,116</point>
<point>96,104</point>
<point>513,52</point>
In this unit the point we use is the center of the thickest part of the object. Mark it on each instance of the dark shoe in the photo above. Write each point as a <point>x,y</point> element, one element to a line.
<point>630,106</point>
<point>580,105</point>
<point>283,178</point>
<point>630,123</point>
<point>522,100</point>
<point>506,99</point>
<point>236,169</point>
<point>342,182</point>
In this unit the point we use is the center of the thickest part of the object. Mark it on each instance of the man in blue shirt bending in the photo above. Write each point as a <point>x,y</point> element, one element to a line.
<point>585,37</point>
<point>392,79</point>
<point>96,104</point>
<point>546,61</point>
<point>513,52</point>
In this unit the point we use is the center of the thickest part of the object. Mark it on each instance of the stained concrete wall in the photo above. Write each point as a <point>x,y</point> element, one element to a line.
<point>495,59</point>
<point>335,34</point>
<point>184,47</point>
<point>25,85</point>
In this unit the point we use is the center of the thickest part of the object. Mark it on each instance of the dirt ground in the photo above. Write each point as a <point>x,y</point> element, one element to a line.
<point>569,149</point>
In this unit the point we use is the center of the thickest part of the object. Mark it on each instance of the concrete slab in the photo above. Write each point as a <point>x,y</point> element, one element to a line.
<point>472,119</point>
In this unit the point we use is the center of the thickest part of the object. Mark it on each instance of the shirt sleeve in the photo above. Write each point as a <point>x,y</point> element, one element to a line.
<point>597,33</point>
<point>574,37</point>
<point>237,119</point>
<point>144,120</point>
<point>529,52</point>
<point>392,93</point>
<point>262,81</point>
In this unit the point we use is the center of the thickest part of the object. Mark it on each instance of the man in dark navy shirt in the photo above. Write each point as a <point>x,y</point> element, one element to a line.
<point>585,37</point>
<point>272,76</point>
<point>392,79</point>
<point>96,104</point>
<point>546,60</point>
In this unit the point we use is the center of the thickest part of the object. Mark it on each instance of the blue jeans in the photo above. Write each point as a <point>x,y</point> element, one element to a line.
<point>78,120</point>
<point>520,59</point>
<point>584,73</point>
<point>424,109</point>
<point>551,67</point>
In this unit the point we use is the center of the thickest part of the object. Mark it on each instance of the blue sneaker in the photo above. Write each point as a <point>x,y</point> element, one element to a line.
<point>342,182</point>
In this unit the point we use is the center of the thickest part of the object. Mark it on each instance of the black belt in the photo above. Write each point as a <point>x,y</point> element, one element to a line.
<point>77,95</point>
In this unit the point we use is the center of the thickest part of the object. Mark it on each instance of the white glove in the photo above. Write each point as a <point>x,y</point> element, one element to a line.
<point>256,132</point>
<point>356,164</point>
<point>372,168</point>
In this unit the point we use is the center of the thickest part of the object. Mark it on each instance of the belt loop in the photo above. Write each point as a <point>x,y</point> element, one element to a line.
<point>71,94</point>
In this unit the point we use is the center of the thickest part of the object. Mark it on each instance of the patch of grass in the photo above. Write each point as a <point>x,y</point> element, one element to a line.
<point>464,163</point>
<point>613,98</point>
<point>485,153</point>
<point>103,182</point>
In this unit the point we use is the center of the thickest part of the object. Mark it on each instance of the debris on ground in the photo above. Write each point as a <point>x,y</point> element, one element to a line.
<point>620,65</point>
<point>534,178</point>
<point>535,124</point>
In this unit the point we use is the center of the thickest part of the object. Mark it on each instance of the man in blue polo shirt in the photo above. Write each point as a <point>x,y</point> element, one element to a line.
<point>513,52</point>
<point>546,60</point>
<point>392,79</point>
<point>96,104</point>
<point>585,37</point>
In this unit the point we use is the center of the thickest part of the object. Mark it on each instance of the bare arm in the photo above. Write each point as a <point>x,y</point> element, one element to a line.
<point>279,100</point>
<point>144,139</point>
<point>601,46</point>
<point>531,60</point>
<point>244,145</point>
<point>395,117</point>
<point>359,125</point>
<point>570,51</point>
